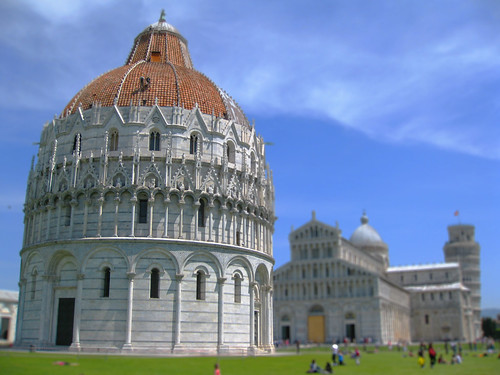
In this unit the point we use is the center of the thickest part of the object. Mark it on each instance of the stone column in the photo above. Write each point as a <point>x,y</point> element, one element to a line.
<point>85,217</point>
<point>75,345</point>
<point>133,202</point>
<point>220,343</point>
<point>252,314</point>
<point>151,204</point>
<point>210,210</point>
<point>100,202</point>
<point>130,309</point>
<point>264,237</point>
<point>117,205</point>
<point>25,231</point>
<point>223,211</point>
<point>259,231</point>
<point>20,311</point>
<point>270,326</point>
<point>244,239</point>
<point>50,208</point>
<point>234,224</point>
<point>166,202</point>
<point>58,229</point>
<point>73,204</point>
<point>181,218</point>
<point>32,234</point>
<point>46,308</point>
<point>178,312</point>
<point>40,216</point>
<point>264,311</point>
<point>197,206</point>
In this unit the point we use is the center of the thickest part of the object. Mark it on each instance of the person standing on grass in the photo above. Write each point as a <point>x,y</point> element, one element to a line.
<point>432,355</point>
<point>335,352</point>
<point>357,356</point>
<point>421,359</point>
<point>216,369</point>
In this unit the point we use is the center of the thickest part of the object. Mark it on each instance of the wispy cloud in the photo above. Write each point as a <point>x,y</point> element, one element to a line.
<point>428,81</point>
<point>410,72</point>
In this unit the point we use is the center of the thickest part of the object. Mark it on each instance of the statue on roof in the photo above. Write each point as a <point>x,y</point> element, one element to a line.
<point>162,16</point>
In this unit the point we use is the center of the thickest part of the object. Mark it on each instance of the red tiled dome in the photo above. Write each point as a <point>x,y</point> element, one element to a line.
<point>158,71</point>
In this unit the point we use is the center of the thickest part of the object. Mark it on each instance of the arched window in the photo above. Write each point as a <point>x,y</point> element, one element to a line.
<point>77,143</point>
<point>201,214</point>
<point>113,141</point>
<point>143,210</point>
<point>237,288</point>
<point>200,285</point>
<point>154,141</point>
<point>154,290</point>
<point>106,282</point>
<point>230,152</point>
<point>193,144</point>
<point>67,215</point>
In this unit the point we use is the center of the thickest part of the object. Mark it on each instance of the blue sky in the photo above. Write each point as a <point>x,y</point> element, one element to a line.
<point>387,106</point>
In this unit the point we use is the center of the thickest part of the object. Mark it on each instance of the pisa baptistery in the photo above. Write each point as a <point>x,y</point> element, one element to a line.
<point>149,215</point>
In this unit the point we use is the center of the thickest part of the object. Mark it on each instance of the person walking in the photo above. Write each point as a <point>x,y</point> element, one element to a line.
<point>432,355</point>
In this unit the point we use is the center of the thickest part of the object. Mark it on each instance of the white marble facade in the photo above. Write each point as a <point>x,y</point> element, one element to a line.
<point>148,226</point>
<point>8,314</point>
<point>334,288</point>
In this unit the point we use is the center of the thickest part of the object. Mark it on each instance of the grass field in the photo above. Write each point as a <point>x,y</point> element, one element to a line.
<point>285,362</point>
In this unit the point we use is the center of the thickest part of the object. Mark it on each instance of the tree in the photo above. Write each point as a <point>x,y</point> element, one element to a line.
<point>489,327</point>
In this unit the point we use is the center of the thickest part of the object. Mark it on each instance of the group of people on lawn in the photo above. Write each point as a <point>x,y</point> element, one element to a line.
<point>455,359</point>
<point>337,360</point>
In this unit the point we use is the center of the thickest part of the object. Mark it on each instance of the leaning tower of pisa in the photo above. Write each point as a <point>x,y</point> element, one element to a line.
<point>463,249</point>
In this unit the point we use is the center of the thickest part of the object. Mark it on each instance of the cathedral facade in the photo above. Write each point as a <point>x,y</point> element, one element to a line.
<point>149,215</point>
<point>335,289</point>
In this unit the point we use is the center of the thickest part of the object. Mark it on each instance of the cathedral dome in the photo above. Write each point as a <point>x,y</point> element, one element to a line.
<point>158,71</point>
<point>365,234</point>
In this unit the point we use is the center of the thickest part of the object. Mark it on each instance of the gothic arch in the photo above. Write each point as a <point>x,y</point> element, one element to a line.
<point>56,260</point>
<point>245,263</point>
<point>115,249</point>
<point>34,260</point>
<point>143,254</point>
<point>204,253</point>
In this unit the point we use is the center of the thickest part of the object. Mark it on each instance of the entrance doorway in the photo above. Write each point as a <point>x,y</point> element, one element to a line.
<point>316,324</point>
<point>285,332</point>
<point>350,332</point>
<point>65,317</point>
<point>316,329</point>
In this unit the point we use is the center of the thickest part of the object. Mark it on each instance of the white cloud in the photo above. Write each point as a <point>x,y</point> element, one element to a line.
<point>415,75</point>
<point>430,94</point>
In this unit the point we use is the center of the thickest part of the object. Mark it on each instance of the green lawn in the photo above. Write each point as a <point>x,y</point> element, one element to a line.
<point>286,362</point>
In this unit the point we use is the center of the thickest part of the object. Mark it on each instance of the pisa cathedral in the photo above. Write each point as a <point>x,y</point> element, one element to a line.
<point>335,288</point>
<point>149,215</point>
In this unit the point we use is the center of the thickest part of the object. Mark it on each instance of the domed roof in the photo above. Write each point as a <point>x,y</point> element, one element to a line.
<point>366,235</point>
<point>158,71</point>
